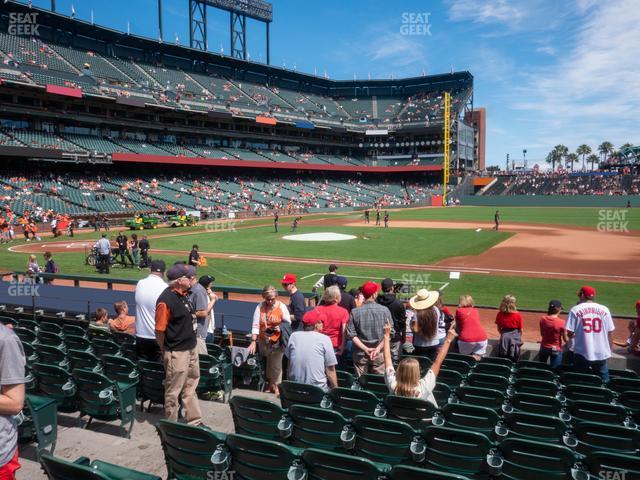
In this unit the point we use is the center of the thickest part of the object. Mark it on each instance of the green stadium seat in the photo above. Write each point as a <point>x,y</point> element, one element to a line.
<point>630,400</point>
<point>51,326</point>
<point>213,377</point>
<point>76,342</point>
<point>535,387</point>
<point>492,369</point>
<point>52,355</point>
<point>506,362</point>
<point>532,364</point>
<point>30,353</point>
<point>613,466</point>
<point>531,403</point>
<point>28,324</point>
<point>120,369</point>
<point>626,373</point>
<point>531,426</point>
<point>256,418</point>
<point>218,352</point>
<point>456,451</point>
<point>582,410</point>
<point>466,417</point>
<point>379,439</point>
<point>345,379</point>
<point>406,472</point>
<point>452,378</point>
<point>151,384</point>
<point>25,335</point>
<point>459,366</point>
<point>9,321</point>
<point>255,459</point>
<point>105,347</point>
<point>51,339</point>
<point>593,436</point>
<point>97,332</point>
<point>465,358</point>
<point>623,384</point>
<point>188,449</point>
<point>425,363</point>
<point>482,380</point>
<point>574,378</point>
<point>292,393</point>
<point>413,411</point>
<point>588,392</point>
<point>39,421</point>
<point>374,384</point>
<point>103,399</point>
<point>482,397</point>
<point>81,359</point>
<point>322,465</point>
<point>123,337</point>
<point>528,460</point>
<point>70,329</point>
<point>535,374</point>
<point>350,402</point>
<point>442,392</point>
<point>313,427</point>
<point>57,383</point>
<point>83,469</point>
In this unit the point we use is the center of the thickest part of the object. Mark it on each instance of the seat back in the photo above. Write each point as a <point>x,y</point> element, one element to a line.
<point>488,381</point>
<point>105,347</point>
<point>50,338</point>
<point>528,460</point>
<point>594,436</point>
<point>44,415</point>
<point>631,400</point>
<point>345,379</point>
<point>535,387</point>
<point>51,326</point>
<point>535,374</point>
<point>574,378</point>
<point>461,356</point>
<point>626,373</point>
<point>470,418</point>
<point>413,411</point>
<point>254,458</point>
<point>77,330</point>
<point>624,384</point>
<point>531,426</point>
<point>531,403</point>
<point>151,384</point>
<point>56,382</point>
<point>315,427</point>
<point>442,393</point>
<point>353,402</point>
<point>255,417</point>
<point>374,383</point>
<point>84,360</point>
<point>187,448</point>
<point>493,369</point>
<point>507,362</point>
<point>77,342</point>
<point>52,355</point>
<point>383,440</point>
<point>96,395</point>
<point>451,378</point>
<point>588,392</point>
<point>613,465</point>
<point>58,469</point>
<point>583,410</point>
<point>299,393</point>
<point>405,472</point>
<point>459,366</point>
<point>25,335</point>
<point>321,465</point>
<point>481,397</point>
<point>456,451</point>
<point>120,369</point>
<point>211,374</point>
<point>533,364</point>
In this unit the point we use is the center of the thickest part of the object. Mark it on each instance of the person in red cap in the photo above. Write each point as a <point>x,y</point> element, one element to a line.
<point>296,300</point>
<point>365,330</point>
<point>589,324</point>
<point>310,353</point>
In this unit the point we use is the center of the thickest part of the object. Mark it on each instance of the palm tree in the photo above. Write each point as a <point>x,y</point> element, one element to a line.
<point>605,149</point>
<point>554,157</point>
<point>593,158</point>
<point>583,150</point>
<point>571,159</point>
<point>560,152</point>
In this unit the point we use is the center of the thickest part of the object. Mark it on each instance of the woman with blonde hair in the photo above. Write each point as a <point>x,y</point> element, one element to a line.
<point>32,266</point>
<point>265,333</point>
<point>406,380</point>
<point>472,338</point>
<point>509,324</point>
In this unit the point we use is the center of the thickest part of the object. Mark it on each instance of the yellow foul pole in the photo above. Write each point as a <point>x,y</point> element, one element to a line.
<point>447,135</point>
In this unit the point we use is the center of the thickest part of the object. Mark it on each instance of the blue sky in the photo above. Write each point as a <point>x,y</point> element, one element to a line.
<point>547,71</point>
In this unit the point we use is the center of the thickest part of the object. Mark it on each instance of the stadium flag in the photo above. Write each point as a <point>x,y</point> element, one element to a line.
<point>128,27</point>
<point>266,120</point>
<point>73,11</point>
<point>91,17</point>
<point>66,91</point>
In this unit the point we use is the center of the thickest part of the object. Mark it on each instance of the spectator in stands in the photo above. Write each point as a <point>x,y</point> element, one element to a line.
<point>135,250</point>
<point>101,319</point>
<point>50,266</point>
<point>32,266</point>
<point>194,257</point>
<point>266,330</point>
<point>123,248</point>
<point>346,299</point>
<point>365,331</point>
<point>554,335</point>
<point>122,322</point>
<point>203,303</point>
<point>12,395</point>
<point>297,306</point>
<point>633,343</point>
<point>336,318</point>
<point>144,251</point>
<point>103,247</point>
<point>147,292</point>
<point>445,320</point>
<point>207,282</point>
<point>406,380</point>
<point>398,315</point>
<point>311,354</point>
<point>327,280</point>
<point>590,325</point>
<point>509,324</point>
<point>356,293</point>
<point>472,339</point>
<point>176,338</point>
<point>423,318</point>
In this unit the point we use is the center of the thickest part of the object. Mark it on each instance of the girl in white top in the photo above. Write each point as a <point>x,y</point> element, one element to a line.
<point>406,380</point>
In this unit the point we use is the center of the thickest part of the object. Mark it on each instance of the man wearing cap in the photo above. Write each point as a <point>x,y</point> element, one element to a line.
<point>554,334</point>
<point>296,300</point>
<point>327,280</point>
<point>365,329</point>
<point>203,302</point>
<point>346,299</point>
<point>398,315</point>
<point>176,335</point>
<point>310,353</point>
<point>590,325</point>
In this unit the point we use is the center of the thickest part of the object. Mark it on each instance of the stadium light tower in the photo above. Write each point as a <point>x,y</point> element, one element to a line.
<point>524,158</point>
<point>239,11</point>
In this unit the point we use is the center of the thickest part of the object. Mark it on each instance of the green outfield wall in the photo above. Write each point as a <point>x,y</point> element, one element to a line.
<point>618,201</point>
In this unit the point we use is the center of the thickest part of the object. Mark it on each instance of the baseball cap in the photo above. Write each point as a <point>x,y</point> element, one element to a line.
<point>288,279</point>
<point>158,266</point>
<point>555,304</point>
<point>587,291</point>
<point>369,288</point>
<point>386,284</point>
<point>206,280</point>
<point>342,282</point>
<point>181,270</point>
<point>314,316</point>
<point>333,267</point>
<point>638,304</point>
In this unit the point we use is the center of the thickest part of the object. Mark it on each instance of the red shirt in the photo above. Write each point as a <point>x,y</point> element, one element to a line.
<point>337,317</point>
<point>551,329</point>
<point>468,322</point>
<point>509,320</point>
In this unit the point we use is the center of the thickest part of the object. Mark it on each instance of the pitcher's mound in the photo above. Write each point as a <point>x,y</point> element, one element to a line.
<point>319,237</point>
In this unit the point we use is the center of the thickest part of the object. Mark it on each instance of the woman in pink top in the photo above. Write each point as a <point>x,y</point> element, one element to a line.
<point>553,333</point>
<point>472,339</point>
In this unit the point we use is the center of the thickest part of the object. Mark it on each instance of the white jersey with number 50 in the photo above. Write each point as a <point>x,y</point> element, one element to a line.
<point>591,324</point>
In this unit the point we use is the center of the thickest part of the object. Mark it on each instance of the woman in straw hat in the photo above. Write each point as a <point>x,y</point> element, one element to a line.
<point>406,381</point>
<point>424,320</point>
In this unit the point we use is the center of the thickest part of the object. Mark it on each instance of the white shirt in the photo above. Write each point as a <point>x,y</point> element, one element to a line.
<point>147,292</point>
<point>424,389</point>
<point>591,323</point>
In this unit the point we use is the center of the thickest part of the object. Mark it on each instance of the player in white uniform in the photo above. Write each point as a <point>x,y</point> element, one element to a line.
<point>589,324</point>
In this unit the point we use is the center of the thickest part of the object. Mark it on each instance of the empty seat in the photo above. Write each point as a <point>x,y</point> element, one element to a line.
<point>213,377</point>
<point>482,397</point>
<point>593,436</point>
<point>624,384</point>
<point>493,369</point>
<point>81,359</point>
<point>465,358</point>
<point>52,355</point>
<point>405,472</point>
<point>151,384</point>
<point>507,362</point>
<point>299,393</point>
<point>535,373</point>
<point>459,366</point>
<point>533,364</point>
<point>374,383</point>
<point>488,381</point>
<point>345,379</point>
<point>626,373</point>
<point>588,392</point>
<point>613,465</point>
<point>105,347</point>
<point>528,460</point>
<point>120,369</point>
<point>442,392</point>
<point>451,378</point>
<point>70,329</point>
<point>531,426</point>
<point>531,403</point>
<point>414,411</point>
<point>84,469</point>
<point>380,439</point>
<point>256,418</point>
<point>583,410</point>
<point>313,427</point>
<point>51,339</point>
<point>536,387</point>
<point>321,465</point>
<point>39,421</point>
<point>355,402</point>
<point>25,335</point>
<point>468,418</point>
<point>77,342</point>
<point>574,378</point>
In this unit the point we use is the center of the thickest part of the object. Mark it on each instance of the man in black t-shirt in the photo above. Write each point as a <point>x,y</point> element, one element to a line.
<point>144,251</point>
<point>297,306</point>
<point>276,218</point>
<point>194,257</point>
<point>366,216</point>
<point>123,248</point>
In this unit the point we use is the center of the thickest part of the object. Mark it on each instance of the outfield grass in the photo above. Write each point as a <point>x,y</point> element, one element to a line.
<point>578,216</point>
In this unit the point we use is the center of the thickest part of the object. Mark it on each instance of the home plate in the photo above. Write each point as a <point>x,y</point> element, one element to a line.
<point>319,237</point>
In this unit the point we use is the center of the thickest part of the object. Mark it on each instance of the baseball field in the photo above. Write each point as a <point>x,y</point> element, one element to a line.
<point>538,253</point>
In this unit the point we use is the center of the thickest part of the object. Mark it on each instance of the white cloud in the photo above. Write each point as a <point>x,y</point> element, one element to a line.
<point>484,11</point>
<point>399,49</point>
<point>548,49</point>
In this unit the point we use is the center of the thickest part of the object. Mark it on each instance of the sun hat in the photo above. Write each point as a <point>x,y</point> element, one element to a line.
<point>424,299</point>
